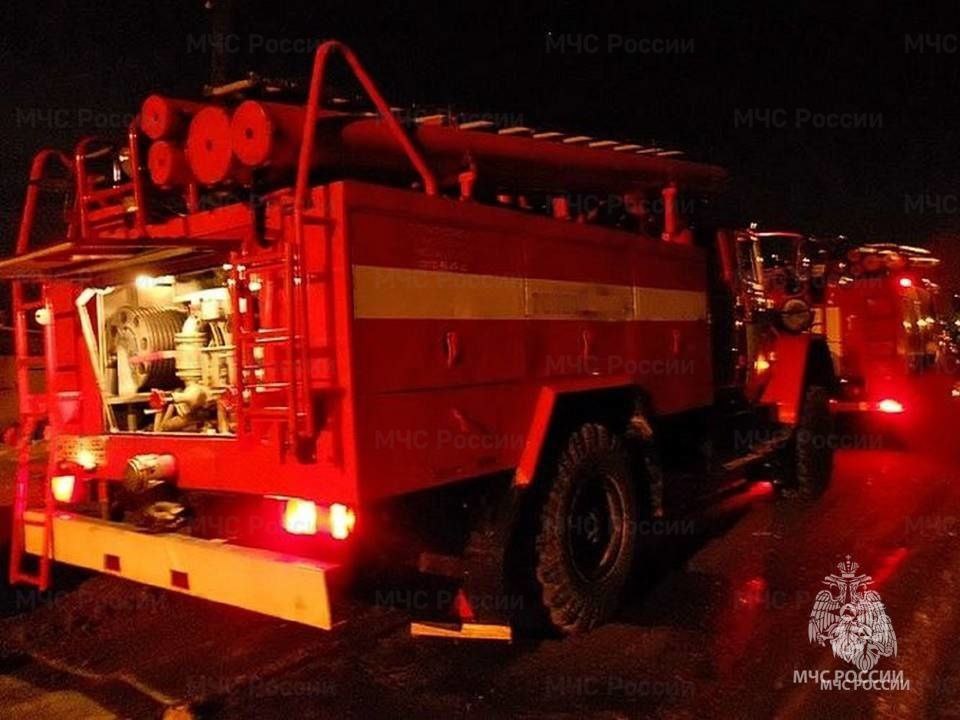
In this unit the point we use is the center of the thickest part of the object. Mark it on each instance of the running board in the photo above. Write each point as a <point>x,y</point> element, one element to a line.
<point>462,631</point>
<point>758,453</point>
<point>283,586</point>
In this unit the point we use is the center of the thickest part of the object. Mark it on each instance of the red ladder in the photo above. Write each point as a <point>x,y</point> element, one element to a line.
<point>288,360</point>
<point>33,411</point>
<point>34,407</point>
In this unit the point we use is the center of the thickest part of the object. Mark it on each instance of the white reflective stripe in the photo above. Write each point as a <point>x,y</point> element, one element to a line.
<point>411,294</point>
<point>565,300</point>
<point>408,294</point>
<point>662,304</point>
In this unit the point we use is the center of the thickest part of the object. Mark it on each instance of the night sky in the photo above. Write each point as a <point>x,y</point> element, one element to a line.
<point>740,86</point>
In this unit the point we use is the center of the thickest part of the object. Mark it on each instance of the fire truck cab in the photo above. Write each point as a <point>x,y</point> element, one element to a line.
<point>282,338</point>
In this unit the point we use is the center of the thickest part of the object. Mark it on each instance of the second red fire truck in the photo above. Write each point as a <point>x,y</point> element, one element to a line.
<point>882,324</point>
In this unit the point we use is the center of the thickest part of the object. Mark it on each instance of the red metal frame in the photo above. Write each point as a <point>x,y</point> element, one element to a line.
<point>543,415</point>
<point>314,99</point>
<point>405,340</point>
<point>301,204</point>
<point>33,407</point>
<point>313,264</point>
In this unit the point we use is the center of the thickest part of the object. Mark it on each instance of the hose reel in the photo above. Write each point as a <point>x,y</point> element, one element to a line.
<point>143,340</point>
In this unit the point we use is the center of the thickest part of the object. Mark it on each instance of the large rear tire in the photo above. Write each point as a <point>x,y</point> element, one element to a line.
<point>587,531</point>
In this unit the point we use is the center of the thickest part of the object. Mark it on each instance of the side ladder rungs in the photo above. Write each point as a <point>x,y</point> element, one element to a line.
<point>258,338</point>
<point>265,386</point>
<point>271,413</point>
<point>265,331</point>
<point>265,261</point>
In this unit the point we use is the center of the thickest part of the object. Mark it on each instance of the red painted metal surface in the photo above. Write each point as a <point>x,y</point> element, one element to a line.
<point>208,147</point>
<point>168,165</point>
<point>422,422</point>
<point>784,389</point>
<point>404,417</point>
<point>269,134</point>
<point>314,99</point>
<point>402,339</point>
<point>165,118</point>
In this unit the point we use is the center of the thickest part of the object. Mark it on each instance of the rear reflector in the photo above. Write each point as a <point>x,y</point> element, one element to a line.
<point>890,406</point>
<point>62,487</point>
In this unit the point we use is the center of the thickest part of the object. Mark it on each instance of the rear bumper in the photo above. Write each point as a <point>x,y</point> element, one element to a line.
<point>271,583</point>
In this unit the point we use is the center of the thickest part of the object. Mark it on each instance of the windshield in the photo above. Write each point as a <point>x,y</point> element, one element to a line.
<point>778,251</point>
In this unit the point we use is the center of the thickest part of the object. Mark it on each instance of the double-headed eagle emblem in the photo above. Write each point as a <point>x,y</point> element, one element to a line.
<point>852,619</point>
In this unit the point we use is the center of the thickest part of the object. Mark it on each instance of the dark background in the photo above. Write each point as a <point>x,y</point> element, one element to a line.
<point>71,69</point>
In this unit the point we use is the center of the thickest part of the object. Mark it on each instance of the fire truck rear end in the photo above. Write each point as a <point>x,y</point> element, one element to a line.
<point>881,322</point>
<point>281,337</point>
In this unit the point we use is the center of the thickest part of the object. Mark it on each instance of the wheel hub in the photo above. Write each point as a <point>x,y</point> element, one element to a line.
<point>594,531</point>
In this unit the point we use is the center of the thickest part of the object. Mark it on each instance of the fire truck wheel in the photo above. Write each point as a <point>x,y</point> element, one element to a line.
<point>812,445</point>
<point>587,531</point>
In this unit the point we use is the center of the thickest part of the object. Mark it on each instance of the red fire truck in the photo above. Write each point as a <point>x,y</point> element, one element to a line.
<point>282,336</point>
<point>881,323</point>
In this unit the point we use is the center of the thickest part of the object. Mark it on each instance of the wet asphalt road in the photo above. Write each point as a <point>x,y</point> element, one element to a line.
<point>716,626</point>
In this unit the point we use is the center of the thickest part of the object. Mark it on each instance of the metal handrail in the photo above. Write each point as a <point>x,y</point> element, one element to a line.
<point>314,99</point>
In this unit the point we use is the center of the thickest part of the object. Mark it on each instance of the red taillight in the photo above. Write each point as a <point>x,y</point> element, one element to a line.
<point>300,517</point>
<point>305,517</point>
<point>62,487</point>
<point>906,282</point>
<point>890,406</point>
<point>342,521</point>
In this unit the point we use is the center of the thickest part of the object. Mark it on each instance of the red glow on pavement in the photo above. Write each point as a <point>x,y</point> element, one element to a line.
<point>752,492</point>
<point>753,591</point>
<point>737,622</point>
<point>889,565</point>
<point>758,489</point>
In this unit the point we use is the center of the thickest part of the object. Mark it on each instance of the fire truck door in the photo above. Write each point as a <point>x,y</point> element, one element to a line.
<point>751,318</point>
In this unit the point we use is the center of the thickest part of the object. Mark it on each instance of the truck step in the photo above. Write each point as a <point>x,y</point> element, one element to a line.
<point>758,453</point>
<point>462,631</point>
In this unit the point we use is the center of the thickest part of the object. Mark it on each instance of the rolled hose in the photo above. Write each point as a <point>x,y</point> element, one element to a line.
<point>142,334</point>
